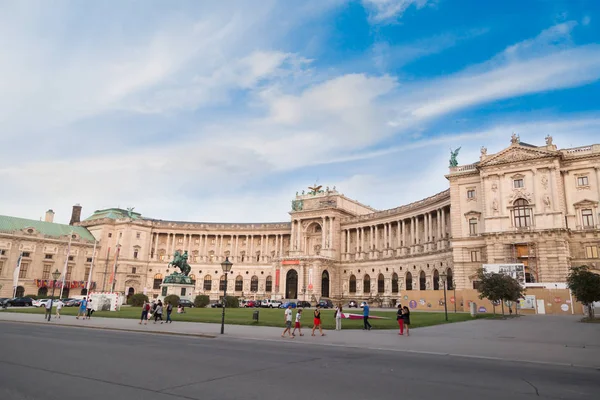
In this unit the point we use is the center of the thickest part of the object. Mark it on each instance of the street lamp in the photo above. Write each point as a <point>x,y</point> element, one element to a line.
<point>226,265</point>
<point>55,276</point>
<point>443,277</point>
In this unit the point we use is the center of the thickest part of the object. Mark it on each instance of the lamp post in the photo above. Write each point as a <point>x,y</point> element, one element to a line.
<point>226,265</point>
<point>55,276</point>
<point>443,277</point>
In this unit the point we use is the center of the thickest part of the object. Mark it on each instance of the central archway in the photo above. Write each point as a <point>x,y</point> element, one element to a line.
<point>325,284</point>
<point>291,284</point>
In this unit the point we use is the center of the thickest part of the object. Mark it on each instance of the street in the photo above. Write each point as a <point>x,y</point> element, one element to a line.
<point>56,362</point>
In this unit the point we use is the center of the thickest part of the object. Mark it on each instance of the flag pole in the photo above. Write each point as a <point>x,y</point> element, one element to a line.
<point>64,273</point>
<point>114,272</point>
<point>16,275</point>
<point>89,280</point>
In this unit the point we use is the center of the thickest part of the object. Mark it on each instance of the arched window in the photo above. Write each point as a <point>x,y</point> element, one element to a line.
<point>367,284</point>
<point>84,292</point>
<point>352,285</point>
<point>254,284</point>
<point>408,281</point>
<point>239,283</point>
<point>207,282</point>
<point>436,280</point>
<point>193,279</point>
<point>522,213</point>
<point>222,283</point>
<point>422,281</point>
<point>269,284</point>
<point>395,283</point>
<point>380,284</point>
<point>449,279</point>
<point>42,292</point>
<point>158,278</point>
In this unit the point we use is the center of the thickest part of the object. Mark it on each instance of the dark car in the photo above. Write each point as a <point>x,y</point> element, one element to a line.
<point>216,305</point>
<point>325,303</point>
<point>303,304</point>
<point>72,302</point>
<point>3,301</point>
<point>352,303</point>
<point>186,303</point>
<point>20,302</point>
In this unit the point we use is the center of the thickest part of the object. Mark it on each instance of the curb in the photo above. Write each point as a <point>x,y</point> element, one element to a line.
<point>201,335</point>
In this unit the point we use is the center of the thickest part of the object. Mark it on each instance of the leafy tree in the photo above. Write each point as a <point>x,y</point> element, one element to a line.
<point>173,299</point>
<point>232,302</point>
<point>585,285</point>
<point>201,301</point>
<point>137,300</point>
<point>498,287</point>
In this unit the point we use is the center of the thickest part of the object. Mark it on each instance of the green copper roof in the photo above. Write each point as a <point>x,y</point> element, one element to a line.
<point>113,213</point>
<point>14,224</point>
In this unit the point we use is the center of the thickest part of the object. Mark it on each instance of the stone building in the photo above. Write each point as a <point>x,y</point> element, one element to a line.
<point>535,205</point>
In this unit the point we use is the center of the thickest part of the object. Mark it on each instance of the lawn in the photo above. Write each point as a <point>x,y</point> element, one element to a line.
<point>275,317</point>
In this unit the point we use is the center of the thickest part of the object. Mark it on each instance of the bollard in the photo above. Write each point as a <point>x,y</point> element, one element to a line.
<point>255,316</point>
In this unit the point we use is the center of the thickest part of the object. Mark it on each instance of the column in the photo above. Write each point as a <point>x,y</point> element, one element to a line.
<point>173,246</point>
<point>376,234</point>
<point>444,223</point>
<point>398,235</point>
<point>347,240</point>
<point>281,253</point>
<point>357,240</point>
<point>413,225</point>
<point>438,234</point>
<point>331,232</point>
<point>277,245</point>
<point>235,250</point>
<point>403,233</point>
<point>597,169</point>
<point>536,198</point>
<point>362,239</point>
<point>251,255</point>
<point>156,246</point>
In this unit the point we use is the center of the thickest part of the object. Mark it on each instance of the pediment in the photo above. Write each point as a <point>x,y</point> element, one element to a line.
<point>517,153</point>
<point>586,203</point>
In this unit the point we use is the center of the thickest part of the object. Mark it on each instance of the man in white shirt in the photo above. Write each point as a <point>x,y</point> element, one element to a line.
<point>288,322</point>
<point>48,309</point>
<point>59,306</point>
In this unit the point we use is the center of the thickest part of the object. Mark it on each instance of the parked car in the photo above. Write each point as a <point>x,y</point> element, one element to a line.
<point>270,303</point>
<point>20,302</point>
<point>325,303</point>
<point>3,301</point>
<point>252,303</point>
<point>287,304</point>
<point>216,305</point>
<point>186,303</point>
<point>72,302</point>
<point>352,303</point>
<point>303,304</point>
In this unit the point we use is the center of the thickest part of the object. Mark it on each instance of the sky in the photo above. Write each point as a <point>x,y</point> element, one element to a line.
<point>222,111</point>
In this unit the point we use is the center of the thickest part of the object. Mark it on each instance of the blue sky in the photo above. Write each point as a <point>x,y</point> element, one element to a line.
<point>221,111</point>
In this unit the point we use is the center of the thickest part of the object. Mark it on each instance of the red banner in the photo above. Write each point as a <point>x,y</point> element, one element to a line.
<point>277,272</point>
<point>290,262</point>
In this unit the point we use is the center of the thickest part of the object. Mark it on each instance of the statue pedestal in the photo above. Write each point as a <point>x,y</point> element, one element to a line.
<point>179,285</point>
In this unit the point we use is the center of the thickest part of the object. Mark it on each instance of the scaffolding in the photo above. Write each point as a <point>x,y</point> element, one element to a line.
<point>525,253</point>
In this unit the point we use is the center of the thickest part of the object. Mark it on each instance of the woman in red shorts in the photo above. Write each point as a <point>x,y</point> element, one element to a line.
<point>317,321</point>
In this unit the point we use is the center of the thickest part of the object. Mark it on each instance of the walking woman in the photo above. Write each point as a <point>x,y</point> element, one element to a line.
<point>158,312</point>
<point>400,319</point>
<point>406,317</point>
<point>145,311</point>
<point>169,311</point>
<point>317,321</point>
<point>338,317</point>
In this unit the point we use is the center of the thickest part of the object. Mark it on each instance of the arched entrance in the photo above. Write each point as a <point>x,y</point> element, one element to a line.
<point>130,292</point>
<point>20,291</point>
<point>325,284</point>
<point>291,284</point>
<point>42,292</point>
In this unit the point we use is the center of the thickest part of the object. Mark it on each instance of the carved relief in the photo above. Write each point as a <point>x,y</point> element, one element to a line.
<point>520,194</point>
<point>544,181</point>
<point>495,206</point>
<point>494,187</point>
<point>547,201</point>
<point>516,155</point>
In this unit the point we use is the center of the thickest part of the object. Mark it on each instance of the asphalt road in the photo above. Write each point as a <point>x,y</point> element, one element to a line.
<point>52,362</point>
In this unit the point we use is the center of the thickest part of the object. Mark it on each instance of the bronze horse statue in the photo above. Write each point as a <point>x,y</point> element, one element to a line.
<point>180,261</point>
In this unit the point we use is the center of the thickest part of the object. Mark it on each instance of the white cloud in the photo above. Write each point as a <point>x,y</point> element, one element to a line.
<point>384,11</point>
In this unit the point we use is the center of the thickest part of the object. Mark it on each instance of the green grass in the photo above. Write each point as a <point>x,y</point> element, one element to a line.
<point>275,317</point>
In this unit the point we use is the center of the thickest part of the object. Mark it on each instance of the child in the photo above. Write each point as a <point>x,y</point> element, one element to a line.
<point>297,326</point>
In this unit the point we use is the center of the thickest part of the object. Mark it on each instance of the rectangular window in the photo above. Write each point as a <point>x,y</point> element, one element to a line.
<point>46,271</point>
<point>133,270</point>
<point>591,251</point>
<point>471,194</point>
<point>473,226</point>
<point>71,258</point>
<point>582,181</point>
<point>135,253</point>
<point>588,218</point>
<point>48,256</point>
<point>26,254</point>
<point>476,285</point>
<point>87,273</point>
<point>23,270</point>
<point>138,235</point>
<point>475,256</point>
<point>69,272</point>
<point>2,252</point>
<point>518,183</point>
<point>89,259</point>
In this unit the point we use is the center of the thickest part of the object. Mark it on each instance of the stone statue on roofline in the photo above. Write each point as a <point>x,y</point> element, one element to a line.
<point>453,155</point>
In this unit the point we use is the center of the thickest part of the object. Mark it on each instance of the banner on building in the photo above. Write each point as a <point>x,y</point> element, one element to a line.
<point>515,271</point>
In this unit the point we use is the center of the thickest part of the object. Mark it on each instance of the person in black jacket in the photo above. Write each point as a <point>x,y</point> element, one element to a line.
<point>406,317</point>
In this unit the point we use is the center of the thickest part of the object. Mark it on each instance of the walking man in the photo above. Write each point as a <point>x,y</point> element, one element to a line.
<point>367,325</point>
<point>48,309</point>
<point>82,307</point>
<point>59,306</point>
<point>288,322</point>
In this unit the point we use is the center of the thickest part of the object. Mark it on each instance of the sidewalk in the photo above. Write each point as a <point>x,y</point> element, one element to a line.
<point>541,339</point>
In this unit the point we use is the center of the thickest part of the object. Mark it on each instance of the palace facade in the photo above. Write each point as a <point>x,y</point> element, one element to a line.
<point>536,205</point>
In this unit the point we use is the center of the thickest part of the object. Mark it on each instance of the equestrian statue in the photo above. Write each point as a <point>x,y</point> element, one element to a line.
<point>180,261</point>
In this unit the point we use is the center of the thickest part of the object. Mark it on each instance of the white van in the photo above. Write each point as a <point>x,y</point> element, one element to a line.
<point>270,303</point>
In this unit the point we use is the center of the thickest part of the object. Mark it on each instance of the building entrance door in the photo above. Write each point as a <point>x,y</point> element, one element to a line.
<point>291,284</point>
<point>541,307</point>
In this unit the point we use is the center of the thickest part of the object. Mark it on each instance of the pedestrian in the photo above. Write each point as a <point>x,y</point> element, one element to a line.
<point>169,311</point>
<point>82,307</point>
<point>288,322</point>
<point>400,319</point>
<point>406,317</point>
<point>158,312</point>
<point>59,306</point>
<point>317,321</point>
<point>145,311</point>
<point>89,309</point>
<point>297,325</point>
<point>338,317</point>
<point>367,325</point>
<point>180,309</point>
<point>48,310</point>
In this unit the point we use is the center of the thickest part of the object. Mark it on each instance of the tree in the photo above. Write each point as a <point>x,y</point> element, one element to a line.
<point>585,285</point>
<point>137,300</point>
<point>172,299</point>
<point>498,288</point>
<point>232,302</point>
<point>201,301</point>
